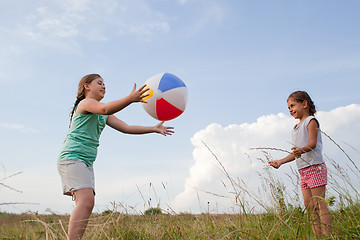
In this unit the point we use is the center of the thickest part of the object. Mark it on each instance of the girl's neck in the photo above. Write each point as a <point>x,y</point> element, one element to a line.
<point>89,96</point>
<point>303,117</point>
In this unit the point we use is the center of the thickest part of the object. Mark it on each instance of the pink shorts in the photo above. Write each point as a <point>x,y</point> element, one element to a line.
<point>313,176</point>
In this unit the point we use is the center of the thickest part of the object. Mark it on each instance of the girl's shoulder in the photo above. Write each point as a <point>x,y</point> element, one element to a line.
<point>305,123</point>
<point>81,107</point>
<point>311,119</point>
<point>90,105</point>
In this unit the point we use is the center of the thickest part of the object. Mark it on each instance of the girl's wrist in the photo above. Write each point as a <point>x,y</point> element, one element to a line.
<point>129,99</point>
<point>153,129</point>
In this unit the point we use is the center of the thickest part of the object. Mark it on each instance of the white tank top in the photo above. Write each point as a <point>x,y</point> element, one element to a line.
<point>300,138</point>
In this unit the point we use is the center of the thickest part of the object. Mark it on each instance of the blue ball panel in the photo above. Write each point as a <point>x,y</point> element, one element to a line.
<point>169,81</point>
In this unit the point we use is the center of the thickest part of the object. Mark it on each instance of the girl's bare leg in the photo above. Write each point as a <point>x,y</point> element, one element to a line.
<point>310,205</point>
<point>84,200</point>
<point>325,216</point>
<point>314,200</point>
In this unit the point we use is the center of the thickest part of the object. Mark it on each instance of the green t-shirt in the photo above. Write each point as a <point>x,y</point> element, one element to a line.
<point>83,138</point>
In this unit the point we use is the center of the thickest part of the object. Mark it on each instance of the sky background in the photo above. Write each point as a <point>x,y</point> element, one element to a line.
<point>239,59</point>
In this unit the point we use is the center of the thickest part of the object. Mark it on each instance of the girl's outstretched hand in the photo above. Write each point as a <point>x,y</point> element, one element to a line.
<point>275,163</point>
<point>137,95</point>
<point>297,151</point>
<point>164,130</point>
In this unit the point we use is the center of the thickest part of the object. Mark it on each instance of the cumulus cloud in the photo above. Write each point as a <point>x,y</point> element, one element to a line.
<point>226,171</point>
<point>225,155</point>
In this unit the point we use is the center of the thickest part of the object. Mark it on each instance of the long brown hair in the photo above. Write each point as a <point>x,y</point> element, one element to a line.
<point>301,96</point>
<point>81,90</point>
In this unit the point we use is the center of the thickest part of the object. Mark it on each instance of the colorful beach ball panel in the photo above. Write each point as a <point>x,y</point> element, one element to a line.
<point>169,97</point>
<point>170,81</point>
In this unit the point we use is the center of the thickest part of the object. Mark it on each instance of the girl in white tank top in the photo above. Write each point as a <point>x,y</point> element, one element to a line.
<point>307,150</point>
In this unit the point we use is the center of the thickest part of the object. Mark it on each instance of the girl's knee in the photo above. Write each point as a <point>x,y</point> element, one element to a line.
<point>324,207</point>
<point>88,204</point>
<point>85,199</point>
<point>313,205</point>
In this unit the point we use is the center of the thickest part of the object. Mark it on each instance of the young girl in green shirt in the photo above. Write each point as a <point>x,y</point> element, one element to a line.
<point>88,118</point>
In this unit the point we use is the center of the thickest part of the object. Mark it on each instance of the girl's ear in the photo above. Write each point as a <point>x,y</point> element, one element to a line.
<point>305,104</point>
<point>86,87</point>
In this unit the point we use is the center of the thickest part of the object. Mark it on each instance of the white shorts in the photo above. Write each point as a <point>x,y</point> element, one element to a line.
<point>75,175</point>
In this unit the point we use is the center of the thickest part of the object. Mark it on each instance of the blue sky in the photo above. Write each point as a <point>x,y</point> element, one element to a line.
<point>239,60</point>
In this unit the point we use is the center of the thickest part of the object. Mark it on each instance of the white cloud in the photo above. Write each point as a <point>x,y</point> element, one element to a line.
<point>208,187</point>
<point>92,20</point>
<point>37,189</point>
<point>63,25</point>
<point>17,127</point>
<point>232,146</point>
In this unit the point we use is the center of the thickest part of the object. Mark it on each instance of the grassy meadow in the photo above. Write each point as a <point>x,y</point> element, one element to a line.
<point>292,224</point>
<point>281,218</point>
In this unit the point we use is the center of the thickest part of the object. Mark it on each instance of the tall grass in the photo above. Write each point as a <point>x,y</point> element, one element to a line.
<point>290,224</point>
<point>282,217</point>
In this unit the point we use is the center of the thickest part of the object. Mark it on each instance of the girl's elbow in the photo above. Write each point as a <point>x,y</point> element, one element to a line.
<point>105,111</point>
<point>312,146</point>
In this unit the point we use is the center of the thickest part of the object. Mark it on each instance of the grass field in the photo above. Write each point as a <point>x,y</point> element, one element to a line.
<point>292,224</point>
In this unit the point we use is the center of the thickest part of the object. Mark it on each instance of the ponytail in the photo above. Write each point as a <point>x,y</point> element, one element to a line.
<point>81,91</point>
<point>78,100</point>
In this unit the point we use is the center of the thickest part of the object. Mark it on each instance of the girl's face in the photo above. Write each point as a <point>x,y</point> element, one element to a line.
<point>299,110</point>
<point>96,89</point>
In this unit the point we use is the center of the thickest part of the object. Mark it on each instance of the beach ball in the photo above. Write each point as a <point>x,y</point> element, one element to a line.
<point>167,96</point>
